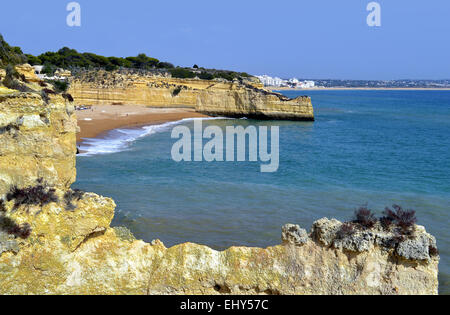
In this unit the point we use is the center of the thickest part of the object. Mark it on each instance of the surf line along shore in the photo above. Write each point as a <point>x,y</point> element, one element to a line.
<point>95,121</point>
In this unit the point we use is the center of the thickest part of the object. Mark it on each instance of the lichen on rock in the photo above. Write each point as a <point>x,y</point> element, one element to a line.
<point>325,231</point>
<point>417,248</point>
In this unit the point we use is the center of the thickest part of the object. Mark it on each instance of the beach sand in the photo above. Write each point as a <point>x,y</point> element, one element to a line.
<point>99,119</point>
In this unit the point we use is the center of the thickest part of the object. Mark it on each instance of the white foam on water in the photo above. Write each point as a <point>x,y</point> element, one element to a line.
<point>119,140</point>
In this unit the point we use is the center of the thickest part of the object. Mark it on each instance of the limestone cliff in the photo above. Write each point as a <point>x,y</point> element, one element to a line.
<point>215,97</point>
<point>76,252</point>
<point>54,240</point>
<point>36,140</point>
<point>28,73</point>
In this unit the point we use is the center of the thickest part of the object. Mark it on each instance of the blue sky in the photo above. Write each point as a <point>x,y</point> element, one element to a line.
<point>303,38</point>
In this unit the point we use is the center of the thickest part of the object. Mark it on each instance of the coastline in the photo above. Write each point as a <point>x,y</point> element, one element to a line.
<point>100,119</point>
<point>274,88</point>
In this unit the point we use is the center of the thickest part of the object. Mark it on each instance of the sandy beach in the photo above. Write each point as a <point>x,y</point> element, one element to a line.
<point>99,119</point>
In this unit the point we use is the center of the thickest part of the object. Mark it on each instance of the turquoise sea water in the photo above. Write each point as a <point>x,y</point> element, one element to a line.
<point>375,147</point>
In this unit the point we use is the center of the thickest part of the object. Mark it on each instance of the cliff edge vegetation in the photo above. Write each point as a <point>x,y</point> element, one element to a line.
<point>67,58</point>
<point>10,54</point>
<point>146,81</point>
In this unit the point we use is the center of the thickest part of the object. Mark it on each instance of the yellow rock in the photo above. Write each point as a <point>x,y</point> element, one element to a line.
<point>73,250</point>
<point>37,141</point>
<point>4,90</point>
<point>28,72</point>
<point>216,97</point>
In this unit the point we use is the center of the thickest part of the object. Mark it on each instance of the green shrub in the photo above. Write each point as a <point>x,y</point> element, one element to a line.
<point>49,69</point>
<point>206,76</point>
<point>32,60</point>
<point>11,72</point>
<point>60,86</point>
<point>11,80</point>
<point>165,65</point>
<point>120,62</point>
<point>182,73</point>
<point>142,61</point>
<point>176,91</point>
<point>10,55</point>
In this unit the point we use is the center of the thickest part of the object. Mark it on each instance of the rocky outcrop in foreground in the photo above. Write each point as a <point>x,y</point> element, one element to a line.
<point>212,97</point>
<point>77,252</point>
<point>54,240</point>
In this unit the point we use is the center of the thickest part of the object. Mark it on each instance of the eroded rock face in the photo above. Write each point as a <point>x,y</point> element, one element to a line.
<point>245,101</point>
<point>293,234</point>
<point>325,231</point>
<point>37,141</point>
<point>73,250</point>
<point>211,97</point>
<point>85,256</point>
<point>417,248</point>
<point>28,72</point>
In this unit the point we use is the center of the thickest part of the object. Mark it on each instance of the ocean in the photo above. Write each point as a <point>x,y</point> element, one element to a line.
<point>366,147</point>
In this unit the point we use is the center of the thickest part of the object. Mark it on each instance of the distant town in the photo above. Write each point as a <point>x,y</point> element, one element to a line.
<point>295,83</point>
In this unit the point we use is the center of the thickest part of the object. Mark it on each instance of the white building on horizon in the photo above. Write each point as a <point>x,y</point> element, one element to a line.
<point>278,82</point>
<point>306,84</point>
<point>270,81</point>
